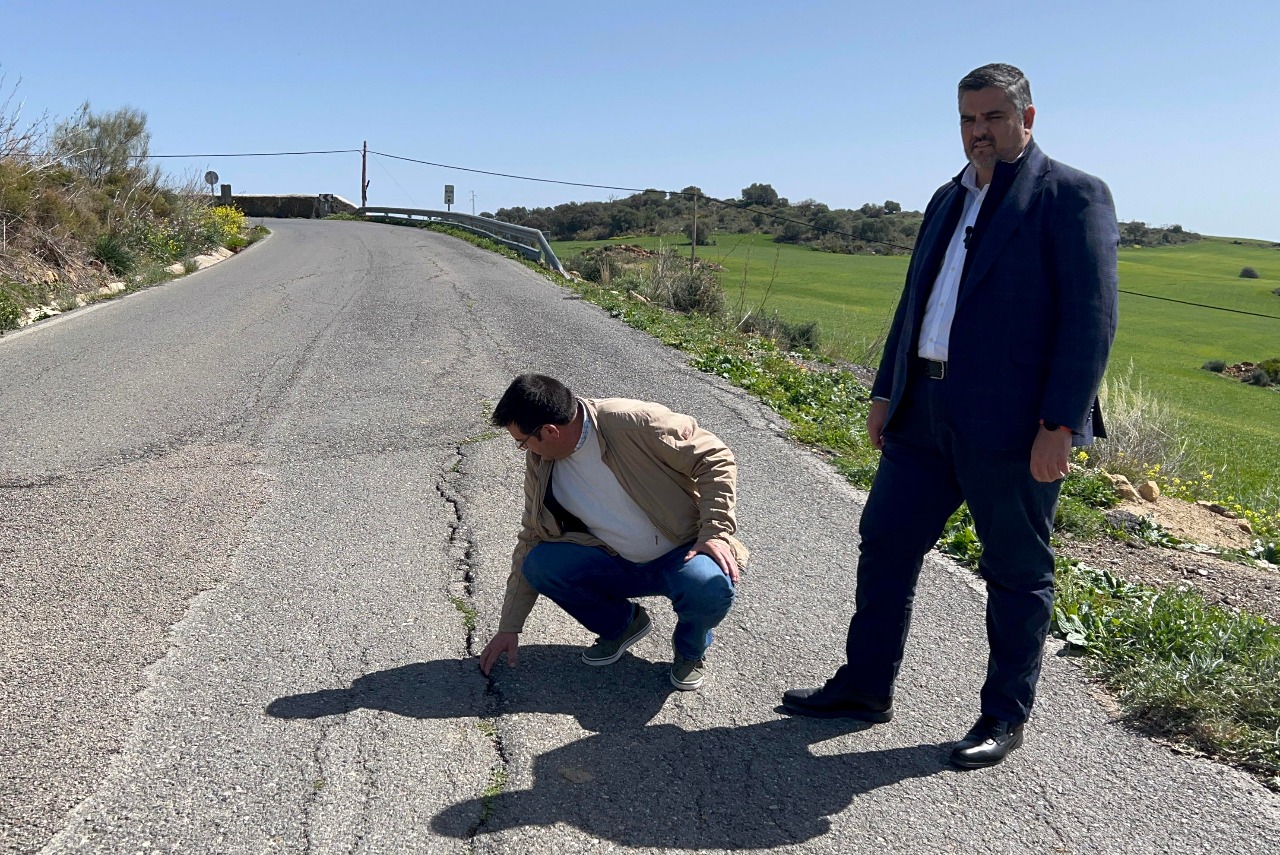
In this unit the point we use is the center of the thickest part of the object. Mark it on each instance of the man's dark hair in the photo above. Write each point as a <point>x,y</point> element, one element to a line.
<point>1004,77</point>
<point>534,400</point>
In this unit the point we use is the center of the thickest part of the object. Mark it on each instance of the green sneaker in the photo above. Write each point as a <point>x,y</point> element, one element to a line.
<point>607,651</point>
<point>688,674</point>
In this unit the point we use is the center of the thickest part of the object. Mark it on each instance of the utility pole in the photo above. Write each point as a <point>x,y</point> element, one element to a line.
<point>473,203</point>
<point>364,174</point>
<point>693,247</point>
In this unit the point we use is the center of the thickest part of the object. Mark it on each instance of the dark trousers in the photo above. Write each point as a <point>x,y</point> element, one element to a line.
<point>925,472</point>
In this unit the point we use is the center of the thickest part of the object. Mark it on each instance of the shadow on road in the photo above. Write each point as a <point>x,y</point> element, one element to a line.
<point>736,788</point>
<point>749,787</point>
<point>549,679</point>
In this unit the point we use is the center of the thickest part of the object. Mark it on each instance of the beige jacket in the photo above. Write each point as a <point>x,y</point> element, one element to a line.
<point>681,476</point>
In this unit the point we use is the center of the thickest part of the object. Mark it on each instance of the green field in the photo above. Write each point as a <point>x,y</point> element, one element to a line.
<point>1234,428</point>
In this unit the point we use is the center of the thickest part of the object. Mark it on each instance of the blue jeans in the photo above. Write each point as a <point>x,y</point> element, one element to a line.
<point>596,588</point>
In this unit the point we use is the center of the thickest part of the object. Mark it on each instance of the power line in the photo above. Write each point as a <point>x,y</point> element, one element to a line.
<point>1201,305</point>
<point>510,175</point>
<point>741,206</point>
<point>252,154</point>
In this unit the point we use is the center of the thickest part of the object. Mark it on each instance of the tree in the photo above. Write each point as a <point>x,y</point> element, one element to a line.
<point>760,194</point>
<point>704,233</point>
<point>892,207</point>
<point>102,146</point>
<point>791,232</point>
<point>1134,232</point>
<point>18,137</point>
<point>622,220</point>
<point>874,230</point>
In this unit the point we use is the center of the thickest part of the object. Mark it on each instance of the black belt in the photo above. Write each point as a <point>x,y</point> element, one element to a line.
<point>932,368</point>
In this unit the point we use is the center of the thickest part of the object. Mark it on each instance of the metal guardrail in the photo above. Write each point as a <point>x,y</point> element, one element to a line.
<point>530,243</point>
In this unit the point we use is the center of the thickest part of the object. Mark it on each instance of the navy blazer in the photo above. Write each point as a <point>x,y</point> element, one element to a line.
<point>1036,310</point>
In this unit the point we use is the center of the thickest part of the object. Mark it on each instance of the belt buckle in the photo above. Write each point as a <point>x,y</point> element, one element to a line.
<point>937,370</point>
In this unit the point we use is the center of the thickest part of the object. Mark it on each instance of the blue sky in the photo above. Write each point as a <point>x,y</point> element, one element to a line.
<point>1175,104</point>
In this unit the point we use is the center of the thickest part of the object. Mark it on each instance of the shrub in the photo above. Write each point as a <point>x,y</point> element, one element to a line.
<point>598,267</point>
<point>672,284</point>
<point>113,251</point>
<point>705,237</point>
<point>802,335</point>
<point>1249,273</point>
<point>1142,433</point>
<point>698,291</point>
<point>1259,377</point>
<point>10,312</point>
<point>1272,367</point>
<point>107,148</point>
<point>1215,365</point>
<point>224,224</point>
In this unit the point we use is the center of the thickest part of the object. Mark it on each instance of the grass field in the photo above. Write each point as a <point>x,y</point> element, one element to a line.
<point>1233,428</point>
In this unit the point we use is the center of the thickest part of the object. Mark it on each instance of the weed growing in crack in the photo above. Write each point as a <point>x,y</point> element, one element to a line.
<point>481,437</point>
<point>468,612</point>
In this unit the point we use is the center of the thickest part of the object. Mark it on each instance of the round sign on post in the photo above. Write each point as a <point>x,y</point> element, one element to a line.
<point>211,178</point>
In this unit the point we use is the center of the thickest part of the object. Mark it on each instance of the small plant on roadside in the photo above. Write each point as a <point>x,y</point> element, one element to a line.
<point>1147,530</point>
<point>113,251</point>
<point>960,538</point>
<point>1204,675</point>
<point>1215,365</point>
<point>1089,485</point>
<point>10,309</point>
<point>1263,551</point>
<point>1079,518</point>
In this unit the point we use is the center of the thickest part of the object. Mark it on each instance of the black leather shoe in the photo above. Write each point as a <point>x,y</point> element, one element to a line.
<point>987,743</point>
<point>822,702</point>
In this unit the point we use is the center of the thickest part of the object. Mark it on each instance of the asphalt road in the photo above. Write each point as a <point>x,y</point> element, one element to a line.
<point>247,517</point>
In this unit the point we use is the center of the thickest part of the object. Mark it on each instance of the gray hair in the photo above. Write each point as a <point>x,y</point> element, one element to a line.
<point>1006,78</point>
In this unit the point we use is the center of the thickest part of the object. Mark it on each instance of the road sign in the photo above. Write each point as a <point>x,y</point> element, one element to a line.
<point>211,178</point>
<point>448,194</point>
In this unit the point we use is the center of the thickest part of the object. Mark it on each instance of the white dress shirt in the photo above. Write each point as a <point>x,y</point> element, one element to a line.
<point>935,332</point>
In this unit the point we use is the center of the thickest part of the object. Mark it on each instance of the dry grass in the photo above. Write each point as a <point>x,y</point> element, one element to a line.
<point>1142,433</point>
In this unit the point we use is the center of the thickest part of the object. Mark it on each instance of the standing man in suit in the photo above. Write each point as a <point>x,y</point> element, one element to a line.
<point>990,375</point>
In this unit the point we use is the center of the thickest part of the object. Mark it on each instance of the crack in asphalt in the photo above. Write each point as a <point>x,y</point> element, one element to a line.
<point>462,546</point>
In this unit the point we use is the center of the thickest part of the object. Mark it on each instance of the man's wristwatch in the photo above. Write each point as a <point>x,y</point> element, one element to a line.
<point>1048,425</point>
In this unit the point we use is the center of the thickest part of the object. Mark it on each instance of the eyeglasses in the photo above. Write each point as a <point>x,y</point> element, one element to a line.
<point>523,444</point>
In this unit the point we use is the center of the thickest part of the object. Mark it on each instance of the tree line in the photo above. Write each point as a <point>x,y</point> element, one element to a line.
<point>880,228</point>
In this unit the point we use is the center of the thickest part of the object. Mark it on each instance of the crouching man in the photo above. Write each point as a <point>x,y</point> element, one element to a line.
<point>622,499</point>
